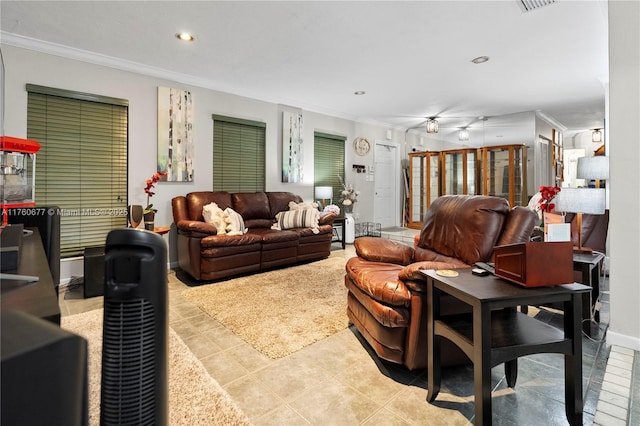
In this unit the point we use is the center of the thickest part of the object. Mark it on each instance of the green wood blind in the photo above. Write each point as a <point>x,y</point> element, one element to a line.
<point>82,165</point>
<point>328,163</point>
<point>238,155</point>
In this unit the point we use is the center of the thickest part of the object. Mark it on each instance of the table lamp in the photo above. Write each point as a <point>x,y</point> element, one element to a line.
<point>324,193</point>
<point>593,168</point>
<point>579,201</point>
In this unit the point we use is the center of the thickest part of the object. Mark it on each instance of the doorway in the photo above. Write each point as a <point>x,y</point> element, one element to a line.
<point>386,205</point>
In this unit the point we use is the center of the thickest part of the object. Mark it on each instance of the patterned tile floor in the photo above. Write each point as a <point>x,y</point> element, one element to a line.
<point>340,381</point>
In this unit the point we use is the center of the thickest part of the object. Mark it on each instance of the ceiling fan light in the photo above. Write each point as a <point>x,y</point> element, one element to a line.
<point>463,135</point>
<point>596,136</point>
<point>432,125</point>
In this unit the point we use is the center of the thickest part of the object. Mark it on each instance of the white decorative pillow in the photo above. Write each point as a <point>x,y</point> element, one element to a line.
<point>302,218</point>
<point>215,216</point>
<point>235,223</point>
<point>302,206</point>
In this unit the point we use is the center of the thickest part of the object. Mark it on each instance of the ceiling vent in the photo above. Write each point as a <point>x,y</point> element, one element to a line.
<point>529,5</point>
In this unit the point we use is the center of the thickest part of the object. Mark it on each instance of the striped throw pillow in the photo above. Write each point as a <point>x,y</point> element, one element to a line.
<point>307,218</point>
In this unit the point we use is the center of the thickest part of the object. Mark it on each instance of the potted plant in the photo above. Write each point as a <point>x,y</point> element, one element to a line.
<point>149,212</point>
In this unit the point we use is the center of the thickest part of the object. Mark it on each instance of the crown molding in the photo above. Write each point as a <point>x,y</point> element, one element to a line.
<point>67,52</point>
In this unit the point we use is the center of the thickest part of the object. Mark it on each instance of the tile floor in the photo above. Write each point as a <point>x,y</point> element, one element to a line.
<point>340,381</point>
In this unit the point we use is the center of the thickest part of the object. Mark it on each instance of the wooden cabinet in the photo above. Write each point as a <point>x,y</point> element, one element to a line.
<point>504,173</point>
<point>496,170</point>
<point>436,173</point>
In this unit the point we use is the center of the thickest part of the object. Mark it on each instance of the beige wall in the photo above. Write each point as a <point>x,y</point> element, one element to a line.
<point>624,152</point>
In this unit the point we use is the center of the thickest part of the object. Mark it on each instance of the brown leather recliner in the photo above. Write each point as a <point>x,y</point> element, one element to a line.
<point>386,300</point>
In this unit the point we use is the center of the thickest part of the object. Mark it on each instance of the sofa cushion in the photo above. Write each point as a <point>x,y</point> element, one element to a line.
<point>215,216</point>
<point>197,200</point>
<point>252,205</point>
<point>279,201</point>
<point>464,226</point>
<point>234,222</point>
<point>304,218</point>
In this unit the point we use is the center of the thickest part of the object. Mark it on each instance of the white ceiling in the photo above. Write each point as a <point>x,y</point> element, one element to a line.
<point>413,59</point>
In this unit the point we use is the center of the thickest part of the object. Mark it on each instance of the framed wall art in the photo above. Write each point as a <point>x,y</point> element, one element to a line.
<point>175,134</point>
<point>292,146</point>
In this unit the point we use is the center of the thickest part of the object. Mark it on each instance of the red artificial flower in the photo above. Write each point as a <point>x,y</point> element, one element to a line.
<point>148,189</point>
<point>547,193</point>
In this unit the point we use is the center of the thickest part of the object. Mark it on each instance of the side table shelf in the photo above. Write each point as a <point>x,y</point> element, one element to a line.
<point>495,333</point>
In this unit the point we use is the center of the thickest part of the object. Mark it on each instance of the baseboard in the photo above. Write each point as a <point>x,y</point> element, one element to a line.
<point>625,341</point>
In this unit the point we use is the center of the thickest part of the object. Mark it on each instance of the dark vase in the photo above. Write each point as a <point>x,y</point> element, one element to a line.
<point>148,221</point>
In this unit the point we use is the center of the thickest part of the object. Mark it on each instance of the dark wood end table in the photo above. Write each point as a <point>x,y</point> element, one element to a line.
<point>341,221</point>
<point>495,333</point>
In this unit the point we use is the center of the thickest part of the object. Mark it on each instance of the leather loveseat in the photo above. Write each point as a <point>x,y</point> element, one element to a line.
<point>206,255</point>
<point>386,299</point>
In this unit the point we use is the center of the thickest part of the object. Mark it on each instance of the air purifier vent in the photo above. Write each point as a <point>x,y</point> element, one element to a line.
<point>128,362</point>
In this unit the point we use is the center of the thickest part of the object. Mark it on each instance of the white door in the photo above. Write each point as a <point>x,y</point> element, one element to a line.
<point>386,209</point>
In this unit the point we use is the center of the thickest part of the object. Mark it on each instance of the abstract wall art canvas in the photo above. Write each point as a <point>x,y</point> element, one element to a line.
<point>175,134</point>
<point>292,147</point>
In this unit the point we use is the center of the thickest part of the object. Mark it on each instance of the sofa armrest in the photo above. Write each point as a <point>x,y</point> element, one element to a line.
<point>382,250</point>
<point>416,281</point>
<point>327,219</point>
<point>196,228</point>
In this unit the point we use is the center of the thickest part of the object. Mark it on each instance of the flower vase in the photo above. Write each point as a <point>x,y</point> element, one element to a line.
<point>148,221</point>
<point>349,228</point>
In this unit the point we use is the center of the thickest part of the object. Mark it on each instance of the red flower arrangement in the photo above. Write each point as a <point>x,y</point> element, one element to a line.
<point>148,190</point>
<point>547,194</point>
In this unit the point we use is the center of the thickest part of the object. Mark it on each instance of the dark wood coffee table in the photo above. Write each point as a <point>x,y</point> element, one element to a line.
<point>495,333</point>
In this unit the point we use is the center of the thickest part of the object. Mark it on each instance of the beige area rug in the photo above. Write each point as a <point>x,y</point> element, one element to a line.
<point>282,311</point>
<point>195,398</point>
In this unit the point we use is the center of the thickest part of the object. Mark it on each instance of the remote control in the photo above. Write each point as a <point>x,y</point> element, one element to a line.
<point>486,266</point>
<point>480,272</point>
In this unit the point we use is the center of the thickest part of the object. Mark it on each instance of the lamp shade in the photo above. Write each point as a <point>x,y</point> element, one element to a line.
<point>324,192</point>
<point>432,125</point>
<point>593,168</point>
<point>596,136</point>
<point>581,200</point>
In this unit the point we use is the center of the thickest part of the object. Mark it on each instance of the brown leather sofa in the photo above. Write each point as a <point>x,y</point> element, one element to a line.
<point>207,256</point>
<point>386,300</point>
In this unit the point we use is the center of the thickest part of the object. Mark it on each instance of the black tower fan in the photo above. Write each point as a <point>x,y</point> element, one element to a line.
<point>134,346</point>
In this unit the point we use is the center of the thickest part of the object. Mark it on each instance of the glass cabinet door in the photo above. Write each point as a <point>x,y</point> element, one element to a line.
<point>504,173</point>
<point>459,172</point>
<point>423,185</point>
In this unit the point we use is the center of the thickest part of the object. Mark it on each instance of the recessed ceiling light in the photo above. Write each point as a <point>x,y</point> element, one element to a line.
<point>359,92</point>
<point>480,59</point>
<point>185,37</point>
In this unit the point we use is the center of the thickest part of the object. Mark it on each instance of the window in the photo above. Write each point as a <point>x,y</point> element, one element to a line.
<point>238,155</point>
<point>328,163</point>
<point>82,165</point>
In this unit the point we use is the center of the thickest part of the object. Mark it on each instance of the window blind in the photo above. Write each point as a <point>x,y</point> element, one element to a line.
<point>82,165</point>
<point>238,155</point>
<point>328,163</point>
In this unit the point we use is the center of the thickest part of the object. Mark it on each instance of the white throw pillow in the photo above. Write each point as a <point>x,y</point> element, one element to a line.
<point>235,223</point>
<point>302,206</point>
<point>214,215</point>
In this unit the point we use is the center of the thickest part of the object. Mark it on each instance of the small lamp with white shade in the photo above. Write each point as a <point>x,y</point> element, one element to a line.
<point>324,193</point>
<point>585,200</point>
